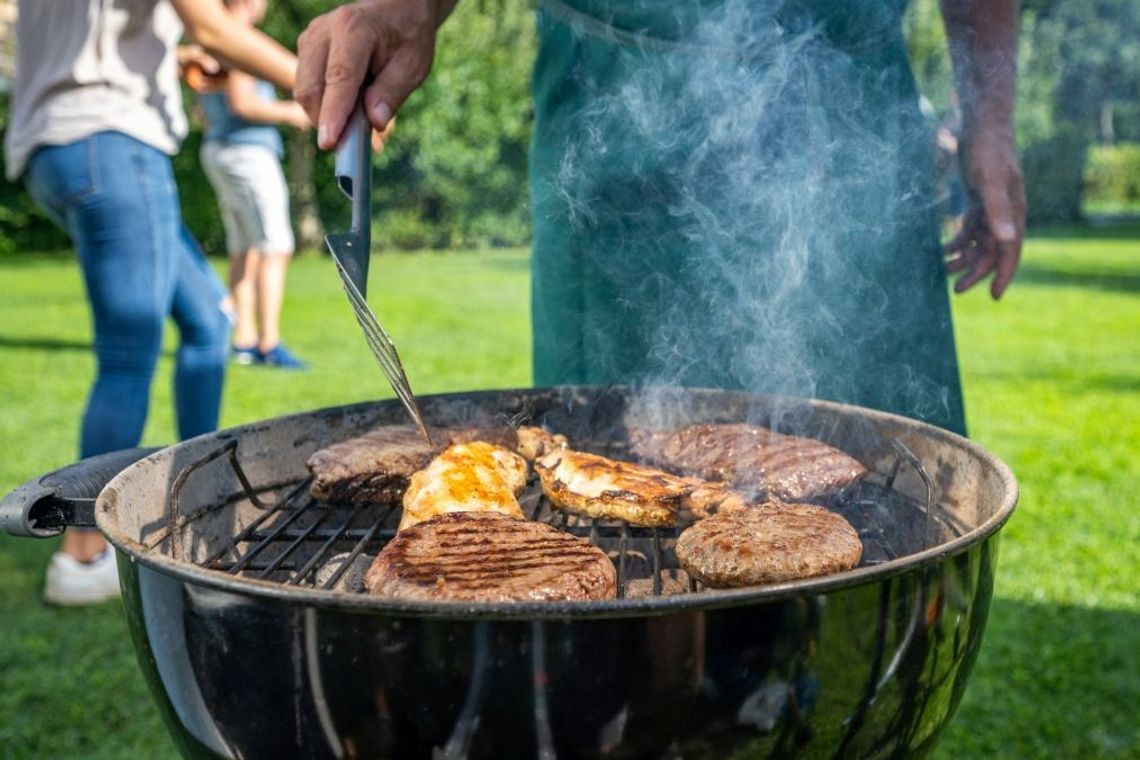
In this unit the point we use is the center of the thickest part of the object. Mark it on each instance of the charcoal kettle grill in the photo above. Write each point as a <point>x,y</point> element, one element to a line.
<point>243,598</point>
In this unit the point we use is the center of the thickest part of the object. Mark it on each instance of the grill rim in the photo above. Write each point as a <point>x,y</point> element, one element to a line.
<point>107,509</point>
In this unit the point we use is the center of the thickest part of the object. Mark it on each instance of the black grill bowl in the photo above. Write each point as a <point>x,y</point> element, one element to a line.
<point>867,663</point>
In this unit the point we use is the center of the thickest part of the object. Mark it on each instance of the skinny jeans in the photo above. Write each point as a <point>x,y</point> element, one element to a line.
<point>116,198</point>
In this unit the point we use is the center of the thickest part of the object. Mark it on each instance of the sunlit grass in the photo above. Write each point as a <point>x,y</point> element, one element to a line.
<point>1052,376</point>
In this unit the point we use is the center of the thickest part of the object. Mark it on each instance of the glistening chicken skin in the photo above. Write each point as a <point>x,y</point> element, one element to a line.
<point>466,477</point>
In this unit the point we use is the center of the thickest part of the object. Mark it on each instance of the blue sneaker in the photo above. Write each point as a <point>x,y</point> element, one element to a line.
<point>246,355</point>
<point>279,356</point>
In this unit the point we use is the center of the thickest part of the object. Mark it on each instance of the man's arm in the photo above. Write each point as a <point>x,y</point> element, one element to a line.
<point>390,41</point>
<point>242,47</point>
<point>982,35</point>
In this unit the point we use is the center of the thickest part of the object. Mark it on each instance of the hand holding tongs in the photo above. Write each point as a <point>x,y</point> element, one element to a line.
<point>351,250</point>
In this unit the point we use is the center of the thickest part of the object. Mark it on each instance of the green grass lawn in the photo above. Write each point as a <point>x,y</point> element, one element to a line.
<point>1052,377</point>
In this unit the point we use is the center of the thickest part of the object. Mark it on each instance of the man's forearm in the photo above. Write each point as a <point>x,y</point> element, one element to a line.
<point>982,36</point>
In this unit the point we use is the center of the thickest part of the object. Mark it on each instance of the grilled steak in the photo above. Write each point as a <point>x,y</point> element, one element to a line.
<point>466,477</point>
<point>489,557</point>
<point>375,468</point>
<point>769,543</point>
<point>752,459</point>
<point>604,488</point>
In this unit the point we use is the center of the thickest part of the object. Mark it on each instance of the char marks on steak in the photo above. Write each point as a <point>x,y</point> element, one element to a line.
<point>490,557</point>
<point>752,459</point>
<point>603,488</point>
<point>768,543</point>
<point>466,477</point>
<point>375,468</point>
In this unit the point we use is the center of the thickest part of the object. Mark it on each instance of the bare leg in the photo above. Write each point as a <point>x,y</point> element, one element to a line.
<point>243,287</point>
<point>270,295</point>
<point>83,545</point>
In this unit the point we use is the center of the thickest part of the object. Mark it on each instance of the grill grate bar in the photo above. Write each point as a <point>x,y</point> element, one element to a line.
<point>623,553</point>
<point>295,543</point>
<point>289,520</point>
<point>323,550</point>
<point>356,550</point>
<point>250,529</point>
<point>657,562</point>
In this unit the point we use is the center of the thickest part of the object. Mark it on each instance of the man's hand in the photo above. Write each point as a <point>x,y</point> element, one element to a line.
<point>993,227</point>
<point>983,48</point>
<point>391,42</point>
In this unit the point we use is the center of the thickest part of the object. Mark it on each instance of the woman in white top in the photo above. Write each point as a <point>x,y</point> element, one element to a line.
<point>96,114</point>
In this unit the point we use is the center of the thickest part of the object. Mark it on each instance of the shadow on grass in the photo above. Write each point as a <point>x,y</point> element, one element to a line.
<point>1098,230</point>
<point>1052,681</point>
<point>44,344</point>
<point>1037,274</point>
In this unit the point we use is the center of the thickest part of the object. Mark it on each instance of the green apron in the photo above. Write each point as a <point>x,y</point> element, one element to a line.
<point>737,194</point>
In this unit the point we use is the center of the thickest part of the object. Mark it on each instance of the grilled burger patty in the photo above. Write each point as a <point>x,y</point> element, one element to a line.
<point>769,543</point>
<point>375,468</point>
<point>604,488</point>
<point>751,458</point>
<point>489,557</point>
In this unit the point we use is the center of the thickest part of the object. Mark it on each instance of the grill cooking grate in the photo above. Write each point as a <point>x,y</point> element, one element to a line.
<point>296,540</point>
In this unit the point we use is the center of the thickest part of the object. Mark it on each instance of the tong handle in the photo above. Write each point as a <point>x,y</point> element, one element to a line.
<point>353,168</point>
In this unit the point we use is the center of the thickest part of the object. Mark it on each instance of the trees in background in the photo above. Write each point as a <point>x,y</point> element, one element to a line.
<point>455,172</point>
<point>1078,86</point>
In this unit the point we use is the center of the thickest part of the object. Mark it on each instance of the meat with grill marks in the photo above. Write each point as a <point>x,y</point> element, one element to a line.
<point>466,477</point>
<point>375,468</point>
<point>768,543</point>
<point>752,459</point>
<point>604,488</point>
<point>490,557</point>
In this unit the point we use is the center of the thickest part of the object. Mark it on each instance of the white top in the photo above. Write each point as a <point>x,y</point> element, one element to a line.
<point>87,66</point>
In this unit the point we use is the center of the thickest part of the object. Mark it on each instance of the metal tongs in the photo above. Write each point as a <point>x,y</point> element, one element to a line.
<point>351,250</point>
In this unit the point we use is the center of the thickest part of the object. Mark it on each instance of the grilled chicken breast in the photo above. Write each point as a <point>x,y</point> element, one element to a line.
<point>768,543</point>
<point>604,488</point>
<point>534,442</point>
<point>489,557</point>
<point>375,468</point>
<point>466,477</point>
<point>752,459</point>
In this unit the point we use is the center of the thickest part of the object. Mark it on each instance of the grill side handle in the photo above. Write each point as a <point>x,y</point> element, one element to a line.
<point>65,498</point>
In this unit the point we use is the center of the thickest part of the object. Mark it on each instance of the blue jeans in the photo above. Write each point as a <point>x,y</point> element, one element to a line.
<point>116,198</point>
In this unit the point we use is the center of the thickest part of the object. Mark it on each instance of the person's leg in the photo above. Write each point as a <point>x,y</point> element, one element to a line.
<point>111,194</point>
<point>271,276</point>
<point>244,266</point>
<point>273,233</point>
<point>200,363</point>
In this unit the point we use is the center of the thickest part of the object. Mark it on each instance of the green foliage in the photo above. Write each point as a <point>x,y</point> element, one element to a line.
<point>1053,170</point>
<point>1078,84</point>
<point>458,159</point>
<point>455,171</point>
<point>22,225</point>
<point>1112,178</point>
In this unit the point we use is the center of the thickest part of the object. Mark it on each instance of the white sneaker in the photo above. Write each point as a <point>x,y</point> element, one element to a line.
<point>72,583</point>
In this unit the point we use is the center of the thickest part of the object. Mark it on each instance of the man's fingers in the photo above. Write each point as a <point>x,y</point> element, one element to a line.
<point>405,72</point>
<point>999,211</point>
<point>312,57</point>
<point>344,74</point>
<point>959,262</point>
<point>980,269</point>
<point>1010,252</point>
<point>1006,267</point>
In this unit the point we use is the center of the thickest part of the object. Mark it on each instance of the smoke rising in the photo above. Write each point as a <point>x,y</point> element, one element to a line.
<point>752,206</point>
